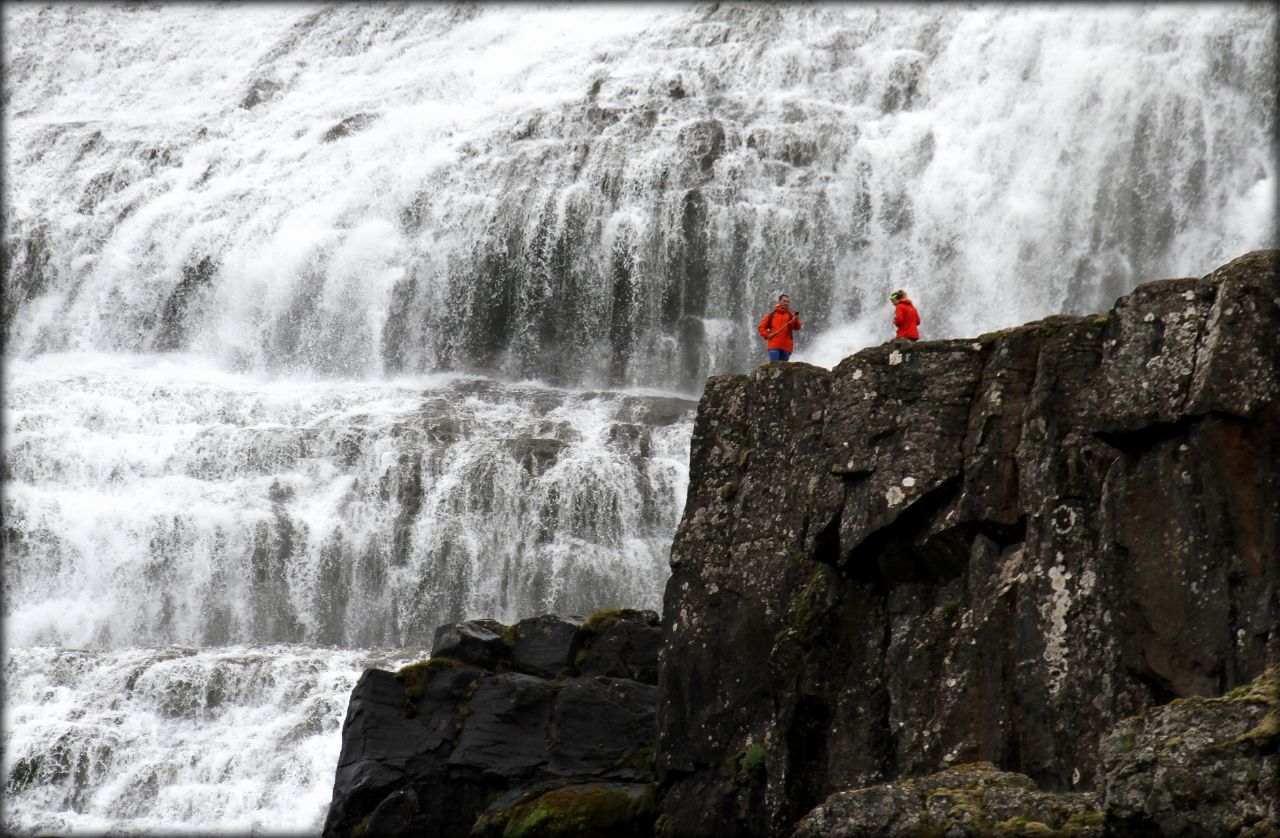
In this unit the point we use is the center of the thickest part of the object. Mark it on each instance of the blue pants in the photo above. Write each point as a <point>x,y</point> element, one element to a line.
<point>779,355</point>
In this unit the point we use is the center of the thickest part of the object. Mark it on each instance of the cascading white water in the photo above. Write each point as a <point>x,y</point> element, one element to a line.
<point>158,500</point>
<point>168,502</point>
<point>305,306</point>
<point>174,740</point>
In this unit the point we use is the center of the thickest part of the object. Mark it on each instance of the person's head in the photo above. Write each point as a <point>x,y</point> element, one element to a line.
<point>784,302</point>
<point>898,295</point>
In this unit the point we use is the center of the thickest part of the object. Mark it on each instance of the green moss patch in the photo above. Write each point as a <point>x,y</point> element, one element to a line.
<point>804,606</point>
<point>1264,690</point>
<point>600,619</point>
<point>747,765</point>
<point>570,812</point>
<point>641,759</point>
<point>414,677</point>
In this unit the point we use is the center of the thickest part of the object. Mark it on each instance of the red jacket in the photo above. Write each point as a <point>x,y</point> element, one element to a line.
<point>906,318</point>
<point>777,327</point>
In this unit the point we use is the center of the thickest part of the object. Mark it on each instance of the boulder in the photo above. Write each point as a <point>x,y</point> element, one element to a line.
<point>620,643</point>
<point>507,728</point>
<point>427,749</point>
<point>968,801</point>
<point>603,726</point>
<point>543,645</point>
<point>910,595</point>
<point>585,810</point>
<point>1198,767</point>
<point>477,642</point>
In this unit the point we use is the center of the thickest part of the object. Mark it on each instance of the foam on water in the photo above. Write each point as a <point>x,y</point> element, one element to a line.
<point>175,740</point>
<point>162,501</point>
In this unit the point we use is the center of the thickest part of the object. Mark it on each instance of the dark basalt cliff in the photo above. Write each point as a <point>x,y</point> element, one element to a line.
<point>972,550</point>
<point>1022,584</point>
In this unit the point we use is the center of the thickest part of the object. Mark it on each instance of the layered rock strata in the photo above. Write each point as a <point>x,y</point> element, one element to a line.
<point>961,551</point>
<point>549,721</point>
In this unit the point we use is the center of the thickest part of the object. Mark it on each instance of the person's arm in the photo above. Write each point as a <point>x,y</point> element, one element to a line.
<point>763,328</point>
<point>795,321</point>
<point>897,316</point>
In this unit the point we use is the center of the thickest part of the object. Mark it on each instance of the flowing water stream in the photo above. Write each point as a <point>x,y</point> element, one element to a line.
<point>327,324</point>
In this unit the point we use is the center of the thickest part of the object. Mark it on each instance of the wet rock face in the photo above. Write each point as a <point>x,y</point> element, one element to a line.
<point>972,550</point>
<point>504,722</point>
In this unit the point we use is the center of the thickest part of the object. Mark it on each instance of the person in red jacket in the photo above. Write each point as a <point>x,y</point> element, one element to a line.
<point>905,316</point>
<point>776,328</point>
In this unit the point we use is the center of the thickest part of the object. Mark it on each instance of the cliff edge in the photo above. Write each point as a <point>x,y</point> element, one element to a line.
<point>967,551</point>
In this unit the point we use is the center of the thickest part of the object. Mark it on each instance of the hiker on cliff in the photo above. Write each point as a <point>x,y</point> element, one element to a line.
<point>776,328</point>
<point>905,316</point>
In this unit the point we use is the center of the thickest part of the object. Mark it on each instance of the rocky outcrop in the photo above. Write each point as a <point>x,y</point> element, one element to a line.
<point>544,725</point>
<point>1195,767</point>
<point>972,550</point>
<point>1198,767</point>
<point>966,801</point>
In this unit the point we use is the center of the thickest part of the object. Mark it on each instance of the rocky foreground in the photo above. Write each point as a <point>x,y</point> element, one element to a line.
<point>1023,584</point>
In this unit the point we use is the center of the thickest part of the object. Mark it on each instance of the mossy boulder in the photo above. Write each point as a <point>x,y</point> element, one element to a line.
<point>624,810</point>
<point>1198,766</point>
<point>974,800</point>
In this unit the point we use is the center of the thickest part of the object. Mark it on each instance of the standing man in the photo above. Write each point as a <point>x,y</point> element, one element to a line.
<point>776,328</point>
<point>905,316</point>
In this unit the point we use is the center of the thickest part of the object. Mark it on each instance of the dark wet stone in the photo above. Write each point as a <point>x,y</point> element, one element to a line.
<point>627,647</point>
<point>426,750</point>
<point>469,642</point>
<point>351,125</point>
<point>543,646</point>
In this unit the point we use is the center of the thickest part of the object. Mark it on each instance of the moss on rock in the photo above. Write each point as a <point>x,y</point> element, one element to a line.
<point>600,619</point>
<point>804,604</point>
<point>1265,689</point>
<point>748,764</point>
<point>977,800</point>
<point>414,677</point>
<point>640,759</point>
<point>576,811</point>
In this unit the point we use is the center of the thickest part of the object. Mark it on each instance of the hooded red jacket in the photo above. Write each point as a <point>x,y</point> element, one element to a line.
<point>777,327</point>
<point>906,318</point>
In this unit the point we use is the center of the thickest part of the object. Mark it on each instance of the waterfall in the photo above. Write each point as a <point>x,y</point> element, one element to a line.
<point>136,741</point>
<point>326,324</point>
